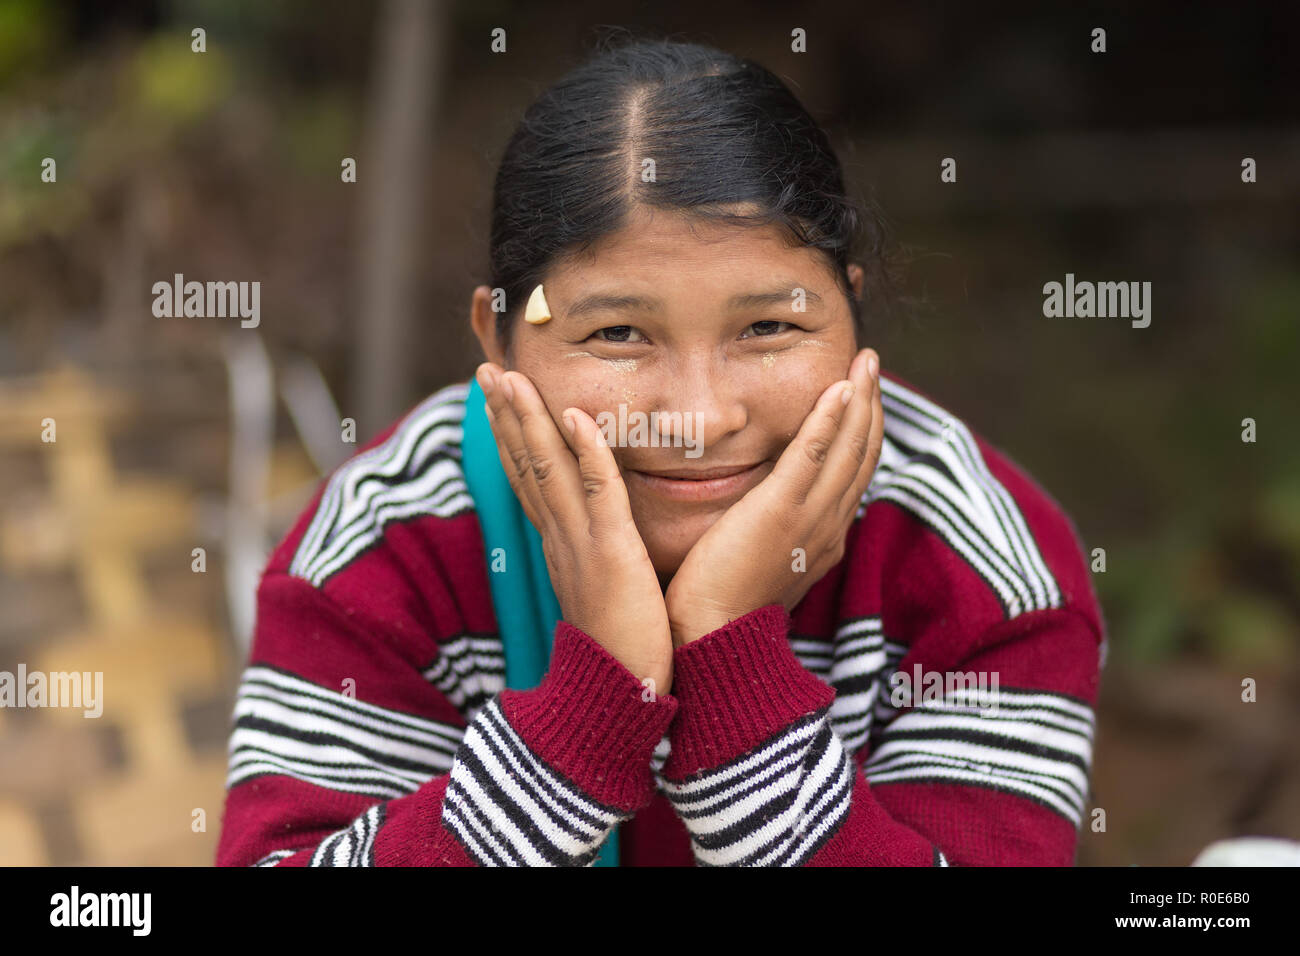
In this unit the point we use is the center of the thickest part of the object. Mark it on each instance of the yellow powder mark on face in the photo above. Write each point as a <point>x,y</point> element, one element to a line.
<point>628,395</point>
<point>620,365</point>
<point>769,359</point>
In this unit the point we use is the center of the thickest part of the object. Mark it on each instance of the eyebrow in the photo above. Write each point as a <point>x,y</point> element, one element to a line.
<point>598,302</point>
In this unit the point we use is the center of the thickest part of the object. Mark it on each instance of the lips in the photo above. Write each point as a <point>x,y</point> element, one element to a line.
<point>700,474</point>
<point>703,484</point>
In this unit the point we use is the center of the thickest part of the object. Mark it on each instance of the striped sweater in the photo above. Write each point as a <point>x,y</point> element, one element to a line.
<point>928,703</point>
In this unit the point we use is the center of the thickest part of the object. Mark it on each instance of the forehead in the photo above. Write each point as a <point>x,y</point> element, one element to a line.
<point>673,250</point>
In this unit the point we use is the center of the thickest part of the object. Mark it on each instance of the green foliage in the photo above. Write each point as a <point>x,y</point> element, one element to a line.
<point>171,82</point>
<point>320,131</point>
<point>1216,568</point>
<point>1247,630</point>
<point>29,31</point>
<point>27,205</point>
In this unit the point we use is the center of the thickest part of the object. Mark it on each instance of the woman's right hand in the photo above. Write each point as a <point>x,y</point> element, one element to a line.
<point>571,490</point>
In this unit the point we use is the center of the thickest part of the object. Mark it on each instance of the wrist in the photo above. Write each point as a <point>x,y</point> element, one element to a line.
<point>593,720</point>
<point>701,619</point>
<point>737,688</point>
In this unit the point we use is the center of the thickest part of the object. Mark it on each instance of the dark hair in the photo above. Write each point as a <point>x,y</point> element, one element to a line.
<point>722,131</point>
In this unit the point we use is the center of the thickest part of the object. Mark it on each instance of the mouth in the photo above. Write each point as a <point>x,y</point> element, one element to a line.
<point>700,484</point>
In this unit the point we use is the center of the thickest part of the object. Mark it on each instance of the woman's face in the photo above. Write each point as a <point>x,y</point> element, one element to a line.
<point>696,322</point>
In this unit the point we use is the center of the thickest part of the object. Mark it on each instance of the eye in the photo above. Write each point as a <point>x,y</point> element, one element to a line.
<point>770,327</point>
<point>618,333</point>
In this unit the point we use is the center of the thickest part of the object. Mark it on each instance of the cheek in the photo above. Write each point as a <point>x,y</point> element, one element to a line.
<point>786,386</point>
<point>602,395</point>
<point>563,388</point>
<point>596,388</point>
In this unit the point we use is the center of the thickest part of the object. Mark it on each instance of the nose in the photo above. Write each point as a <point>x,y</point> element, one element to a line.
<point>703,389</point>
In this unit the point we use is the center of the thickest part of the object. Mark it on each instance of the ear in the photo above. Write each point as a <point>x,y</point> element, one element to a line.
<point>856,277</point>
<point>484,321</point>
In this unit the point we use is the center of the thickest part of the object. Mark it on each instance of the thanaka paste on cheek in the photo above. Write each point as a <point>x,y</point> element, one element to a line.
<point>769,358</point>
<point>620,365</point>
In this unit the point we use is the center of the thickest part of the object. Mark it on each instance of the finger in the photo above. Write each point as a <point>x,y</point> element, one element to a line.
<point>511,447</point>
<point>875,442</point>
<point>553,467</point>
<point>850,449</point>
<point>606,495</point>
<point>797,469</point>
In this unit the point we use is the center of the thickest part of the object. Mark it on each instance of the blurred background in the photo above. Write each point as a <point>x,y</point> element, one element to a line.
<point>186,446</point>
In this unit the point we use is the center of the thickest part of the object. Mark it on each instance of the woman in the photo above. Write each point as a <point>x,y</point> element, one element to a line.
<point>805,617</point>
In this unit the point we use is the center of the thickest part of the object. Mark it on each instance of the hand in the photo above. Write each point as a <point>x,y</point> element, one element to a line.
<point>745,560</point>
<point>599,567</point>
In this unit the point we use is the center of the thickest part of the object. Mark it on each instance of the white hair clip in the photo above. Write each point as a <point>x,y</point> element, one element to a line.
<point>537,311</point>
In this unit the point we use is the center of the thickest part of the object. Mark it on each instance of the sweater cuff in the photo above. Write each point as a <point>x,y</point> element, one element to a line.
<point>737,687</point>
<point>588,721</point>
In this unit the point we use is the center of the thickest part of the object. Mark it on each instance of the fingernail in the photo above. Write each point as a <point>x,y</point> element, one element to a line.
<point>846,393</point>
<point>568,422</point>
<point>508,389</point>
<point>873,365</point>
<point>485,380</point>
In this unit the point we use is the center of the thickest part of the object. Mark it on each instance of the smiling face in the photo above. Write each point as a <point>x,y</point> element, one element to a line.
<point>693,321</point>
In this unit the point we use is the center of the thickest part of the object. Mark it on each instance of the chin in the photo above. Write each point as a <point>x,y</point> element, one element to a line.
<point>671,537</point>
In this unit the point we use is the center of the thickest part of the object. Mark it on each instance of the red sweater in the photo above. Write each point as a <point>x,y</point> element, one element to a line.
<point>372,727</point>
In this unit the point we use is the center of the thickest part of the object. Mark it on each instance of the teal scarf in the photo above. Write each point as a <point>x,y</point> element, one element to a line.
<point>525,605</point>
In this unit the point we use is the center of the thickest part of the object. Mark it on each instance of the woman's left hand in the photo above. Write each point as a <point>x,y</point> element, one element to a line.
<point>747,559</point>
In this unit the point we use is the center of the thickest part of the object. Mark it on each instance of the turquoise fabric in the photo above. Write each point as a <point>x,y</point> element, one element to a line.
<point>522,598</point>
